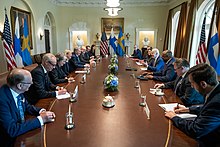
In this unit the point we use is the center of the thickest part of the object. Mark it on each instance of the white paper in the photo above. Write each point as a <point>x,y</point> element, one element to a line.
<point>171,106</point>
<point>81,72</point>
<point>147,111</point>
<point>75,91</point>
<point>186,115</point>
<point>144,68</point>
<point>138,63</point>
<point>63,96</point>
<point>168,107</point>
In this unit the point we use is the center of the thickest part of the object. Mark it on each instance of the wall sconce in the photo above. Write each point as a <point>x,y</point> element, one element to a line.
<point>41,36</point>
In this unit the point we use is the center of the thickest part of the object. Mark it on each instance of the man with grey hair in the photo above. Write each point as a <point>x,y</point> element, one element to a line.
<point>137,53</point>
<point>181,86</point>
<point>42,86</point>
<point>13,107</point>
<point>158,63</point>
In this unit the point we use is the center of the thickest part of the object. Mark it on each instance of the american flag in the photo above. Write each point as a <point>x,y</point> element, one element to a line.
<point>8,45</point>
<point>202,50</point>
<point>104,44</point>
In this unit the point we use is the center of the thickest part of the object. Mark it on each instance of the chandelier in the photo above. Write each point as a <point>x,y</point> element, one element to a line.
<point>113,7</point>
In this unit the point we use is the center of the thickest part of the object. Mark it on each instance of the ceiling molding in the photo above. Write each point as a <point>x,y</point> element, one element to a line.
<point>102,3</point>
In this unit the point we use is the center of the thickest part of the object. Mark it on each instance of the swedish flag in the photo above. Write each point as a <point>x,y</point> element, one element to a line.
<point>26,56</point>
<point>121,43</point>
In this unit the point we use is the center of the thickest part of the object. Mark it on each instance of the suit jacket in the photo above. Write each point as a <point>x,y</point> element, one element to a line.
<point>41,87</point>
<point>10,124</point>
<point>205,128</point>
<point>159,65</point>
<point>167,74</point>
<point>66,68</point>
<point>83,58</point>
<point>57,75</point>
<point>188,95</point>
<point>137,54</point>
<point>75,63</point>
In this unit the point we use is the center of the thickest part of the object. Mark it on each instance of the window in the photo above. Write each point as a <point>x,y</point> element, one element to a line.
<point>206,7</point>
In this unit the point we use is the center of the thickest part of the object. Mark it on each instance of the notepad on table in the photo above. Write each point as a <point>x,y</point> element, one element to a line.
<point>138,63</point>
<point>171,106</point>
<point>63,96</point>
<point>144,68</point>
<point>81,71</point>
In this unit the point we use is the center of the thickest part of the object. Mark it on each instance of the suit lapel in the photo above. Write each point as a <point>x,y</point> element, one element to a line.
<point>12,102</point>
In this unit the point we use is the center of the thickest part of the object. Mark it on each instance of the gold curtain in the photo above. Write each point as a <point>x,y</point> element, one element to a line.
<point>167,38</point>
<point>189,29</point>
<point>181,30</point>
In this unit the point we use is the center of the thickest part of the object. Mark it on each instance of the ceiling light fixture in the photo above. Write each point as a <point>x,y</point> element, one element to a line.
<point>113,7</point>
<point>112,3</point>
<point>113,11</point>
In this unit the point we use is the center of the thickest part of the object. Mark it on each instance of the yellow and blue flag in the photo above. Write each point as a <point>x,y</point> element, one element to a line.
<point>26,56</point>
<point>121,43</point>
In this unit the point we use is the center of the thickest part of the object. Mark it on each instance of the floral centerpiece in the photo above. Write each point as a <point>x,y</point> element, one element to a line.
<point>113,68</point>
<point>111,83</point>
<point>114,60</point>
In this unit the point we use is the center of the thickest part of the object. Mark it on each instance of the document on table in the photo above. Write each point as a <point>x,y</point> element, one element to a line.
<point>171,106</point>
<point>168,107</point>
<point>138,63</point>
<point>144,68</point>
<point>81,71</point>
<point>63,96</point>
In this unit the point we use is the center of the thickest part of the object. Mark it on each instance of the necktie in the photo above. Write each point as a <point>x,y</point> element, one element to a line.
<point>178,83</point>
<point>20,107</point>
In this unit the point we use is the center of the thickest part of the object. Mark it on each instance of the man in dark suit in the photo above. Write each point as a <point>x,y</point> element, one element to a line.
<point>205,128</point>
<point>13,107</point>
<point>75,61</point>
<point>42,86</point>
<point>168,73</point>
<point>158,63</point>
<point>137,53</point>
<point>181,86</point>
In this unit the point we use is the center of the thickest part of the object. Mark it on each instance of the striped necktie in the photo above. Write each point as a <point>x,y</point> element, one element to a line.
<point>20,107</point>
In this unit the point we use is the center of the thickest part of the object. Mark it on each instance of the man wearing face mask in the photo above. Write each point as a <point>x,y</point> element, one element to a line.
<point>168,73</point>
<point>158,63</point>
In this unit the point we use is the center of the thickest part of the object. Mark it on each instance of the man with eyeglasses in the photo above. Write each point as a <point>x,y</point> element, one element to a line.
<point>205,128</point>
<point>168,73</point>
<point>42,86</point>
<point>13,107</point>
<point>181,85</point>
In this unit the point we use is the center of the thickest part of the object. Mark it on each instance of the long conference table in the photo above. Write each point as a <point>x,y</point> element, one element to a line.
<point>124,125</point>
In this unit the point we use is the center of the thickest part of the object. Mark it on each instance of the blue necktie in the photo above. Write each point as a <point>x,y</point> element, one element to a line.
<point>20,107</point>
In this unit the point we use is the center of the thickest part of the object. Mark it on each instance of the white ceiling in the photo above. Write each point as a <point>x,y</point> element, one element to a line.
<point>98,3</point>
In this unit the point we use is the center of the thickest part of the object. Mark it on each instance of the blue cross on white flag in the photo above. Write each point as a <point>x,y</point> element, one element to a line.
<point>112,43</point>
<point>213,50</point>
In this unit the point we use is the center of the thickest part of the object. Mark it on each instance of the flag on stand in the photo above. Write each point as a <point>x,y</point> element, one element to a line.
<point>112,42</point>
<point>104,44</point>
<point>17,44</point>
<point>202,50</point>
<point>26,56</point>
<point>121,43</point>
<point>8,45</point>
<point>213,49</point>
